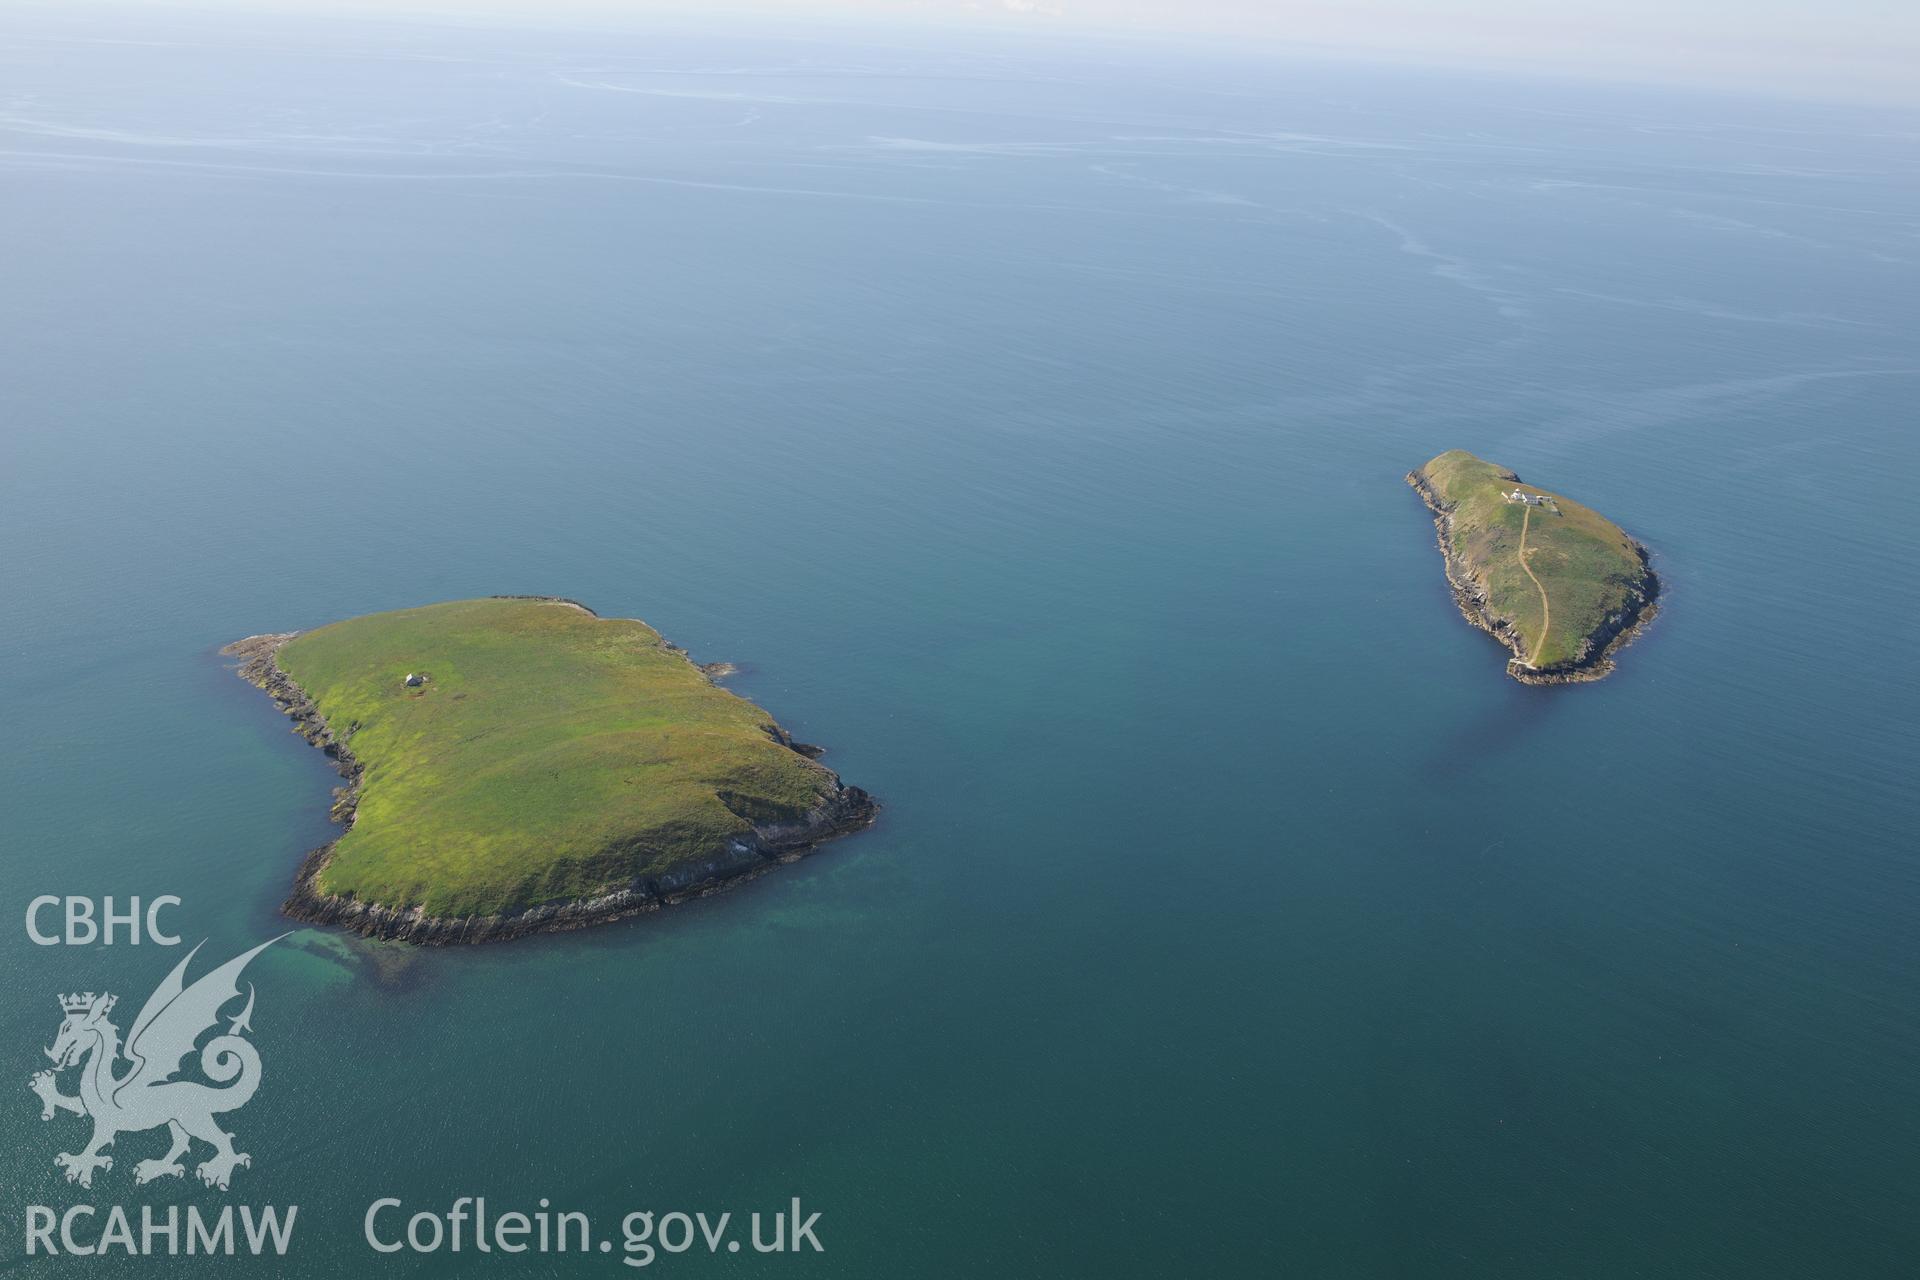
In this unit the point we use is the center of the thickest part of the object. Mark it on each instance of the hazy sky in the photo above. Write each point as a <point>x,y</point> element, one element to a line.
<point>1846,49</point>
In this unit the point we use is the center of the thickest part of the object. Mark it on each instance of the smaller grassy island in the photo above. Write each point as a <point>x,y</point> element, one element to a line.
<point>1557,583</point>
<point>520,764</point>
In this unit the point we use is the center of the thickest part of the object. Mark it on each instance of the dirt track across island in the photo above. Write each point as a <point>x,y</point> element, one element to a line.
<point>1546,610</point>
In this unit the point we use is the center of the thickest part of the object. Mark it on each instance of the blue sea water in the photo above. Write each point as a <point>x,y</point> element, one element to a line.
<point>1026,417</point>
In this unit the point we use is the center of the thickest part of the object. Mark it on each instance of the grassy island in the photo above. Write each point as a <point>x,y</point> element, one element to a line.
<point>1557,583</point>
<point>517,764</point>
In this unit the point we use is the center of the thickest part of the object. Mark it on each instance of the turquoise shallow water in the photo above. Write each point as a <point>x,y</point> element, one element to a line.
<point>1027,420</point>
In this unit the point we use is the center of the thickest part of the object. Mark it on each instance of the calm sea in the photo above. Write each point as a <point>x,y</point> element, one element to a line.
<point>1026,418</point>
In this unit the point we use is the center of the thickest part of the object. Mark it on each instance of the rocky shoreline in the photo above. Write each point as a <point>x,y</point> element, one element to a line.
<point>1595,661</point>
<point>764,847</point>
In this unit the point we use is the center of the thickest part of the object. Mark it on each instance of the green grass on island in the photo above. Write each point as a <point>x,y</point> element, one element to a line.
<point>1589,583</point>
<point>548,755</point>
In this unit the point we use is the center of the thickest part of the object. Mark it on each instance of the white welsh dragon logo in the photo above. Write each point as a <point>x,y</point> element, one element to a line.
<point>145,1095</point>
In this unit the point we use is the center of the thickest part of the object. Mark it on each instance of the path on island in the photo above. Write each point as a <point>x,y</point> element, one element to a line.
<point>1546,610</point>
